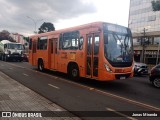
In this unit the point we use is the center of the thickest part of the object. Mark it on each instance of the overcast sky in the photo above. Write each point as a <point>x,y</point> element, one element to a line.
<point>62,13</point>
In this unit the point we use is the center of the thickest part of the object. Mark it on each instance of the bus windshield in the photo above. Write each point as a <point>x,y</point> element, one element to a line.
<point>118,48</point>
<point>15,46</point>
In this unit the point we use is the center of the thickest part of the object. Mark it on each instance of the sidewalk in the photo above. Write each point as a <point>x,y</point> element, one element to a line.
<point>16,97</point>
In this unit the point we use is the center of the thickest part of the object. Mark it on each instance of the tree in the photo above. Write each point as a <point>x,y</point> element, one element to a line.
<point>5,35</point>
<point>46,27</point>
<point>156,5</point>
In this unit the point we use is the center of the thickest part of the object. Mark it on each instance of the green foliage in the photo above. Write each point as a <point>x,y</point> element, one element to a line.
<point>156,5</point>
<point>26,38</point>
<point>46,27</point>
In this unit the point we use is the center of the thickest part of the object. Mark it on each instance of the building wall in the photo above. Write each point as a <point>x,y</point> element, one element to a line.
<point>145,26</point>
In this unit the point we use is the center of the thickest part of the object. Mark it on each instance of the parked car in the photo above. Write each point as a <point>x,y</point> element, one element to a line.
<point>154,76</point>
<point>140,68</point>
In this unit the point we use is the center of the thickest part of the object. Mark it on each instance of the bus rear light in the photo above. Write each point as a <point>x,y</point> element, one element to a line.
<point>107,68</point>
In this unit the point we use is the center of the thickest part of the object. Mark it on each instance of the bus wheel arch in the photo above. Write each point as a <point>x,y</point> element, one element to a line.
<point>73,70</point>
<point>40,65</point>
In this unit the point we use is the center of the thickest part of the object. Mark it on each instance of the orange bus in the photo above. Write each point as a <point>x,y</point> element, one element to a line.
<point>99,50</point>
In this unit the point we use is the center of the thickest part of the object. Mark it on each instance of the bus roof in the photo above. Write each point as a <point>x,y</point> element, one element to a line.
<point>70,28</point>
<point>93,24</point>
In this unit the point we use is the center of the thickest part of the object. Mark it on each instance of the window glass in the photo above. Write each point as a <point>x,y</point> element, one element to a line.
<point>56,47</point>
<point>81,43</point>
<point>156,40</point>
<point>89,47</point>
<point>30,44</point>
<point>5,46</point>
<point>152,18</point>
<point>96,45</point>
<point>42,43</point>
<point>69,40</point>
<point>15,46</point>
<point>60,41</point>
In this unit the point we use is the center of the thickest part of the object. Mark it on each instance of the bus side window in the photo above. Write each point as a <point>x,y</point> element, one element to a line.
<point>5,46</point>
<point>105,38</point>
<point>42,44</point>
<point>70,40</point>
<point>60,41</point>
<point>96,45</point>
<point>81,43</point>
<point>30,44</point>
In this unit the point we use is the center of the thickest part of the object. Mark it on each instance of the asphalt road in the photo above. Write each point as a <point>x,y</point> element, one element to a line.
<point>135,94</point>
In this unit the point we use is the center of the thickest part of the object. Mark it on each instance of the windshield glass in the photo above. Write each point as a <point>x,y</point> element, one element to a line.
<point>118,48</point>
<point>15,46</point>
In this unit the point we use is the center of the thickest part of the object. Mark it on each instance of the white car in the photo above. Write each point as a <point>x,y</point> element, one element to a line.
<point>140,68</point>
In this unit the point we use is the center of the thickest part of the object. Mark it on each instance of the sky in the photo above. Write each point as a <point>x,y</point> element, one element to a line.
<point>20,16</point>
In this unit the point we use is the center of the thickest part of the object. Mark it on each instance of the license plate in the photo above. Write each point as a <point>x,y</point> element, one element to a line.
<point>122,78</point>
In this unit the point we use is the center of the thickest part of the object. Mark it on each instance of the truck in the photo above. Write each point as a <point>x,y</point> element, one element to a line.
<point>11,50</point>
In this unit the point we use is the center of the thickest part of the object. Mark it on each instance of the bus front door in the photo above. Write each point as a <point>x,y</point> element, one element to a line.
<point>92,55</point>
<point>53,58</point>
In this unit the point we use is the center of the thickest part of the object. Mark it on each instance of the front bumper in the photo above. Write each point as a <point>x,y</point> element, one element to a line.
<point>14,56</point>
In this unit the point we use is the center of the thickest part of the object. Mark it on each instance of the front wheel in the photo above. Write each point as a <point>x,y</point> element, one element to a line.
<point>40,66</point>
<point>156,82</point>
<point>74,72</point>
<point>5,58</point>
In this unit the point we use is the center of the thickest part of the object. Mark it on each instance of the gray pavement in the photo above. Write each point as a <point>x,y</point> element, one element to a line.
<point>16,97</point>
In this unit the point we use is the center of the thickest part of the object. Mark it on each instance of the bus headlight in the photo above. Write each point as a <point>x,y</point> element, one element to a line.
<point>107,68</point>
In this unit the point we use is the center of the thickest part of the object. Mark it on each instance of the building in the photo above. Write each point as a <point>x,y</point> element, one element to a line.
<point>145,26</point>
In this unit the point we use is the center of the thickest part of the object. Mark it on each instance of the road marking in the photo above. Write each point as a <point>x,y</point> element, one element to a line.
<point>129,100</point>
<point>140,104</point>
<point>121,114</point>
<point>53,86</point>
<point>25,74</point>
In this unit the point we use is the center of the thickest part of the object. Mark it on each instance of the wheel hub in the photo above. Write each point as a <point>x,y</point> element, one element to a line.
<point>157,82</point>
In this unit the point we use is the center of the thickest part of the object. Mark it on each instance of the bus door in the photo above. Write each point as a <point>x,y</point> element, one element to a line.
<point>92,55</point>
<point>33,52</point>
<point>54,56</point>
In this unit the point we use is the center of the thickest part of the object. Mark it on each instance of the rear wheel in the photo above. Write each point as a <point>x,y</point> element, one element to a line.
<point>74,72</point>
<point>156,82</point>
<point>2,58</point>
<point>40,65</point>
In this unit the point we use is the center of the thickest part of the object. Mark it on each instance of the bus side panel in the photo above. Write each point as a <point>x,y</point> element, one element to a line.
<point>80,58</point>
<point>30,57</point>
<point>62,62</point>
<point>43,54</point>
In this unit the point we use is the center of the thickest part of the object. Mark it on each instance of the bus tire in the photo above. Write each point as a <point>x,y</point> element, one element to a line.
<point>40,65</point>
<point>2,57</point>
<point>74,72</point>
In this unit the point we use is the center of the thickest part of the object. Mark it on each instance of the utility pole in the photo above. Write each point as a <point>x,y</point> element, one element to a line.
<point>35,23</point>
